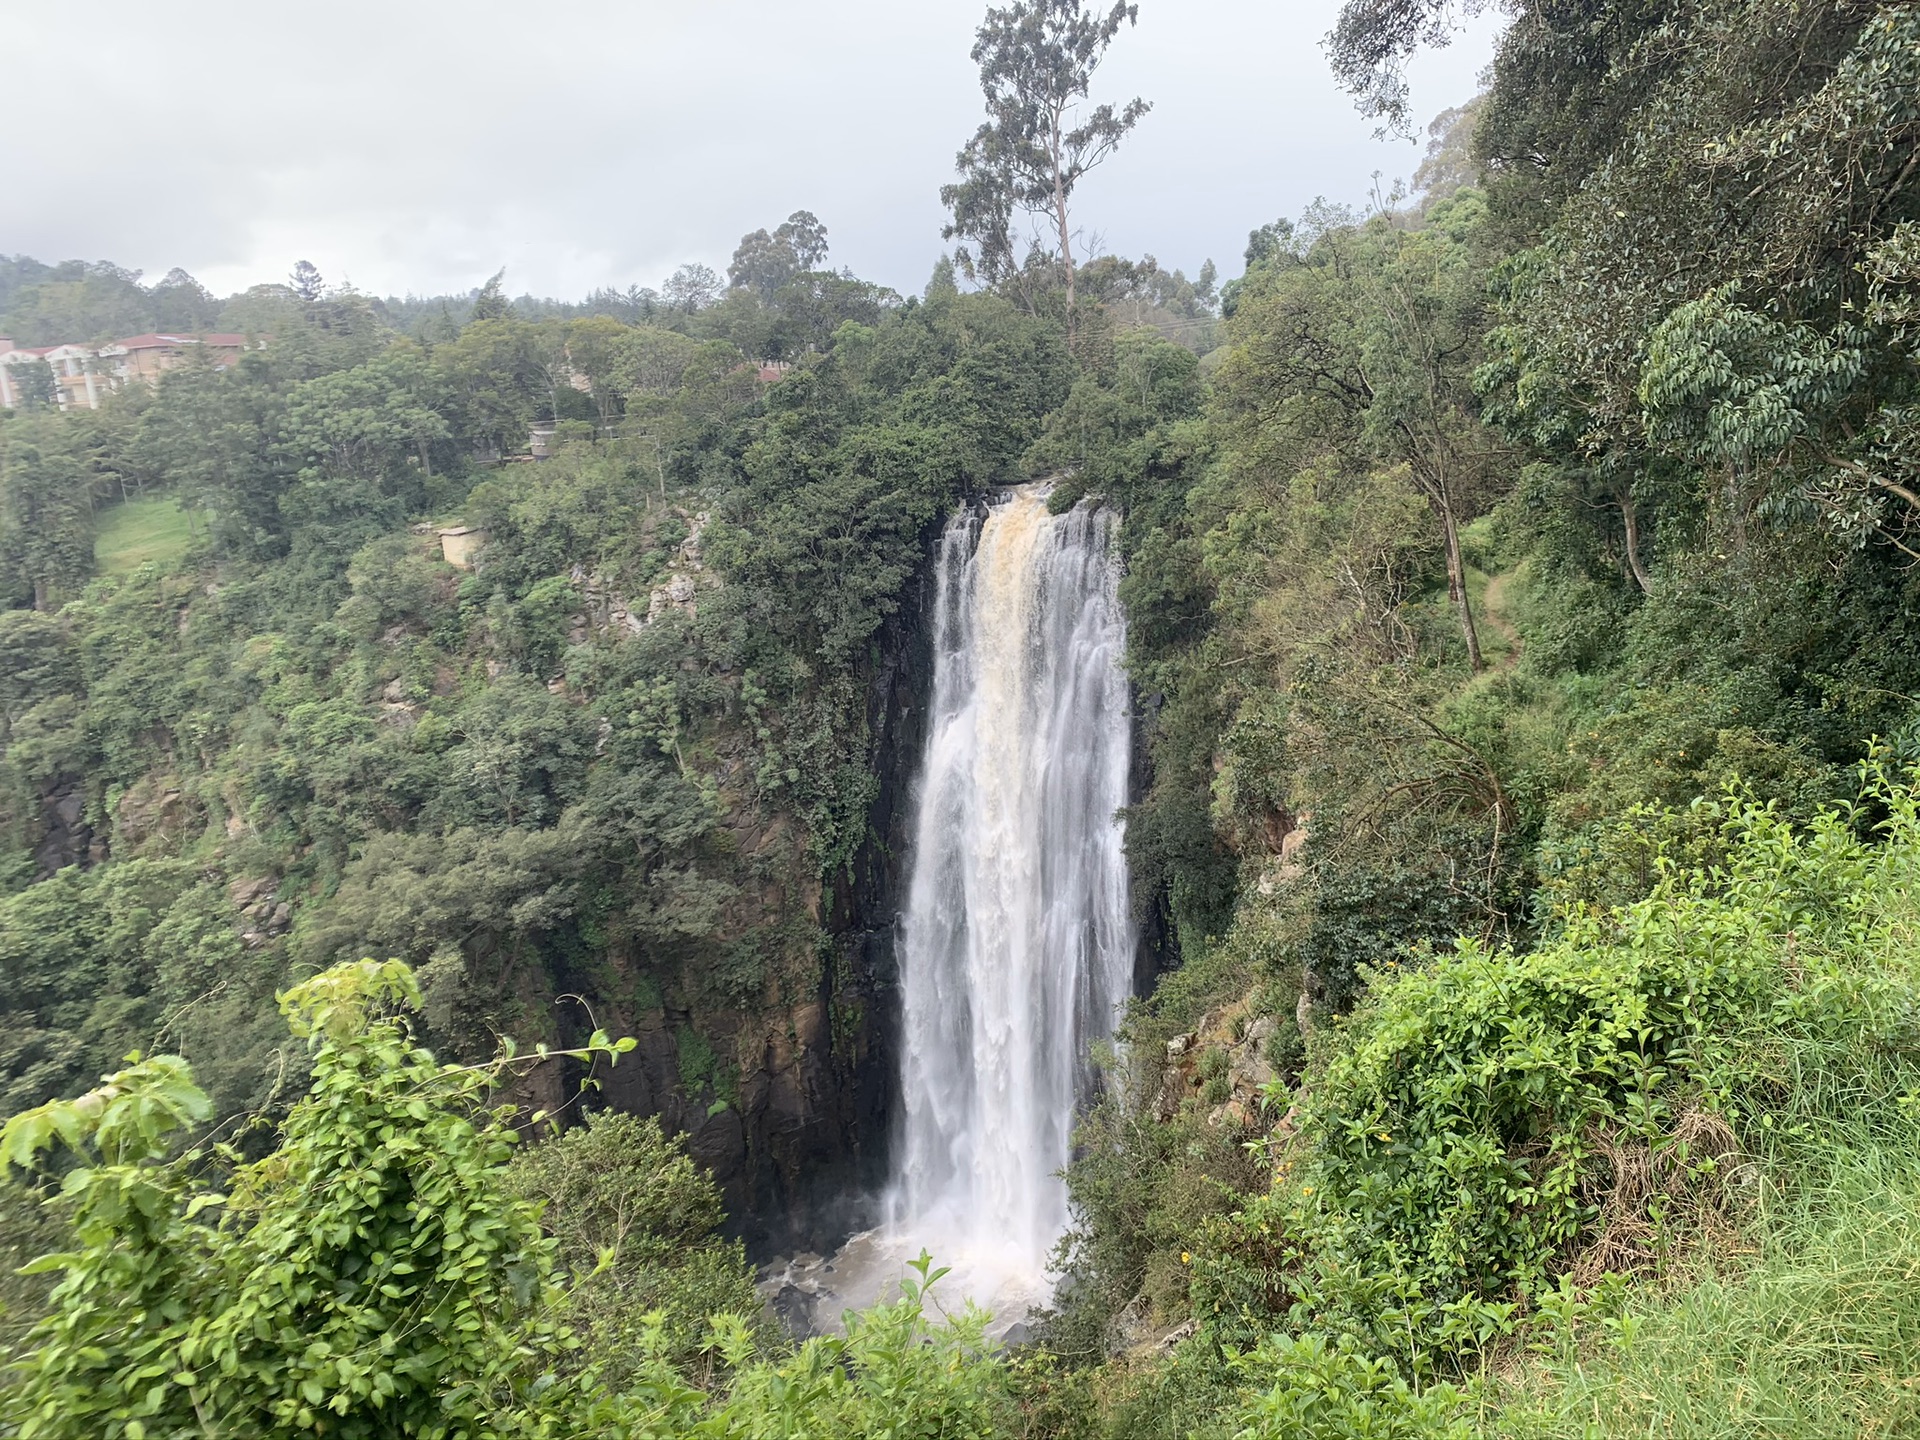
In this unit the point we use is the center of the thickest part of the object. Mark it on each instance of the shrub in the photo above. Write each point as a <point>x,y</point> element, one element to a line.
<point>369,1276</point>
<point>636,1223</point>
<point>1488,1122</point>
<point>377,1274</point>
<point>1316,1389</point>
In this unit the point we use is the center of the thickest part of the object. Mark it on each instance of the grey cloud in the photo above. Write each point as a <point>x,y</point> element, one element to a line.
<point>419,146</point>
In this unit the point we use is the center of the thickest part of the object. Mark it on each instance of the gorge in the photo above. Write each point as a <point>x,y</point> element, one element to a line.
<point>1335,842</point>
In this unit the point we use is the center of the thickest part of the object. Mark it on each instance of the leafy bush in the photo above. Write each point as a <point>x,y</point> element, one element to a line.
<point>636,1223</point>
<point>371,1275</point>
<point>1487,1122</point>
<point>382,1273</point>
<point>1316,1389</point>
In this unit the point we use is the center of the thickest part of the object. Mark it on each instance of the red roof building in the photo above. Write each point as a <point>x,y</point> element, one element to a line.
<point>83,375</point>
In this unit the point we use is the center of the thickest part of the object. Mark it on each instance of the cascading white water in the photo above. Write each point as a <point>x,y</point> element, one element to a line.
<point>1016,939</point>
<point>1016,943</point>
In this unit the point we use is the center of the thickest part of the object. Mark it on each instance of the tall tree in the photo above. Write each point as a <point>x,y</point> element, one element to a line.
<point>489,301</point>
<point>763,263</point>
<point>33,384</point>
<point>690,289</point>
<point>182,303</point>
<point>46,508</point>
<point>1036,61</point>
<point>306,282</point>
<point>593,345</point>
<point>1370,46</point>
<point>650,361</point>
<point>209,438</point>
<point>1364,349</point>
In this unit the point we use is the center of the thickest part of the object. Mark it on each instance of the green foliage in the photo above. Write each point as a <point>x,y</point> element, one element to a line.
<point>1318,1389</point>
<point>895,1374</point>
<point>1666,359</point>
<point>1143,1187</point>
<point>370,1275</point>
<point>1714,305</point>
<point>1506,526</point>
<point>381,1270</point>
<point>1711,1084</point>
<point>100,961</point>
<point>1116,434</point>
<point>616,756</point>
<point>766,263</point>
<point>80,300</point>
<point>45,507</point>
<point>636,1224</point>
<point>28,1229</point>
<point>1288,607</point>
<point>1486,1121</point>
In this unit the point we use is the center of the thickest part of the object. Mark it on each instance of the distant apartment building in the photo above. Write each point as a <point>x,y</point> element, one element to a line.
<point>84,375</point>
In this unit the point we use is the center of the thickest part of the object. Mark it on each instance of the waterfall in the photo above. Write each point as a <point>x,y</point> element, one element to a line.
<point>1016,942</point>
<point>1016,939</point>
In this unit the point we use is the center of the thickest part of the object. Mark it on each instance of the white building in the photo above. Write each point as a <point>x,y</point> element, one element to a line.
<point>84,375</point>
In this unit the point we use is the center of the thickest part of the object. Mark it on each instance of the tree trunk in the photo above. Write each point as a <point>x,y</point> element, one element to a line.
<point>1630,518</point>
<point>1066,234</point>
<point>1066,259</point>
<point>1457,587</point>
<point>42,599</point>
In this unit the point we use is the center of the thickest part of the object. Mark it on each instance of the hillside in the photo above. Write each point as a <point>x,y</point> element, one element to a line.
<point>630,757</point>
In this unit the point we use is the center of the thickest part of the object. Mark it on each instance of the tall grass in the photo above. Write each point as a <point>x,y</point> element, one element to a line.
<point>1819,1335</point>
<point>1812,1327</point>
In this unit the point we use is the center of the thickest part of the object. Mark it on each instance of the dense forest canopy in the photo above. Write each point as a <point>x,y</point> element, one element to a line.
<point>1521,589</point>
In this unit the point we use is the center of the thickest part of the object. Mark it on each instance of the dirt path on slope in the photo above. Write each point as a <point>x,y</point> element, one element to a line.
<point>1493,605</point>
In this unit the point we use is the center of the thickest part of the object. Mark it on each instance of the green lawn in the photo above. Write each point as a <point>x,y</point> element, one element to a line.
<point>136,532</point>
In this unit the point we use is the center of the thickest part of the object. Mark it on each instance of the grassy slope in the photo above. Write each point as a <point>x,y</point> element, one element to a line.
<point>1818,1337</point>
<point>151,529</point>
<point>1809,1326</point>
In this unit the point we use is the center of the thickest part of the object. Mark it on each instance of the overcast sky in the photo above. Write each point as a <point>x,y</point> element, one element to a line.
<point>416,145</point>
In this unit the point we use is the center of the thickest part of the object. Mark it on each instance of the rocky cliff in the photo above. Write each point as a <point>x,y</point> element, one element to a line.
<point>788,1103</point>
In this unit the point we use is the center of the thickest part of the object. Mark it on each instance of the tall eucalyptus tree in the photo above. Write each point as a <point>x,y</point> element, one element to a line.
<point>1037,59</point>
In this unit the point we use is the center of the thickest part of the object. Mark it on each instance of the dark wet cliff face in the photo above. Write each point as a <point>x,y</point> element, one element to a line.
<point>799,1146</point>
<point>803,1159</point>
<point>66,837</point>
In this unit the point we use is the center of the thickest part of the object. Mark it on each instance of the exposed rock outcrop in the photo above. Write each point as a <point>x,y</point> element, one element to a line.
<point>1224,1063</point>
<point>66,838</point>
